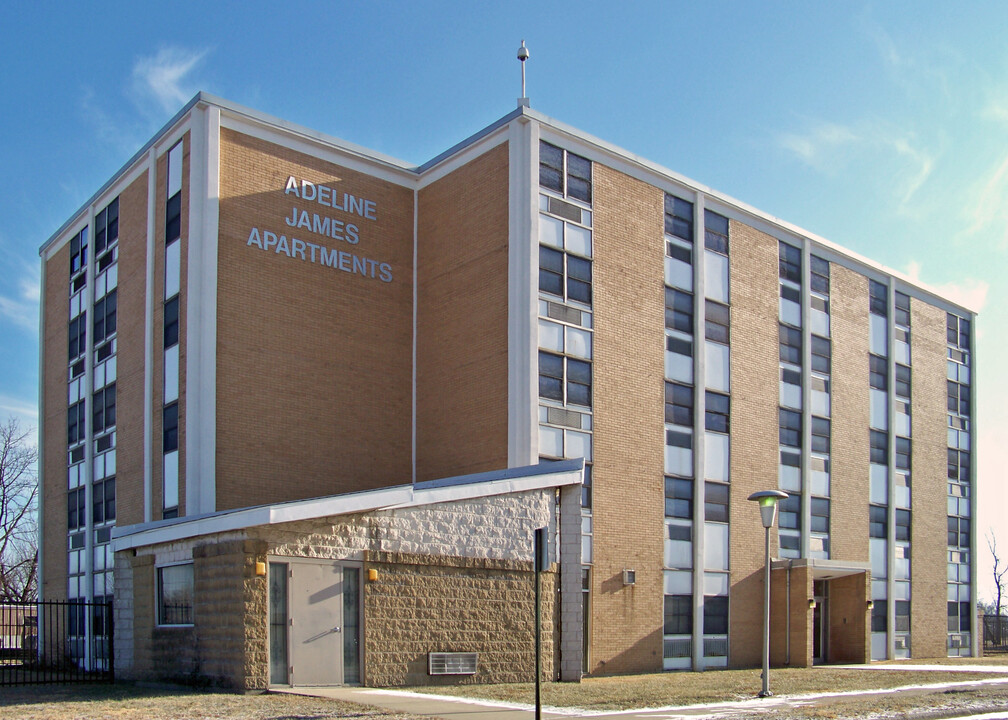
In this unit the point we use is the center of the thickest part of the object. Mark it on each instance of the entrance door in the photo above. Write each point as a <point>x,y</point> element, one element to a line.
<point>820,623</point>
<point>316,623</point>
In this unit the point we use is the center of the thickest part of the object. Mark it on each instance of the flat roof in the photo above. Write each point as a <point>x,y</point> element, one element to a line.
<point>546,474</point>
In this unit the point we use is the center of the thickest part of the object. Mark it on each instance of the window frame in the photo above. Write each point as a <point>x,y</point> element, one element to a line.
<point>159,605</point>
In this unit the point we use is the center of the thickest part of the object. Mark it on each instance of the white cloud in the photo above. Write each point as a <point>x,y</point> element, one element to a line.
<point>970,293</point>
<point>988,212</point>
<point>818,146</point>
<point>19,300</point>
<point>164,76</point>
<point>24,411</point>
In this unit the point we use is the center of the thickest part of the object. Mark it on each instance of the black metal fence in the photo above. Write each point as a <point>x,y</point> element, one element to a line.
<point>62,641</point>
<point>995,634</point>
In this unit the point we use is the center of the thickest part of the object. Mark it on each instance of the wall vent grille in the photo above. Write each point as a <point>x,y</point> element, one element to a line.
<point>451,663</point>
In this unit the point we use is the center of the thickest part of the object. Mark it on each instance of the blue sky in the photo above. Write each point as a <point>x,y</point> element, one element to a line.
<point>880,126</point>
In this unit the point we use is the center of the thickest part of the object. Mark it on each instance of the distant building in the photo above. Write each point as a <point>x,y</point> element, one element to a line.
<point>311,395</point>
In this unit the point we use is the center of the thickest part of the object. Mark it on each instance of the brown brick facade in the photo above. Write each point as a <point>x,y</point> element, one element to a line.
<point>628,367</point>
<point>462,319</point>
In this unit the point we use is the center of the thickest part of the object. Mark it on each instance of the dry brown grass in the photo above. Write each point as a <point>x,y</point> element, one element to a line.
<point>689,688</point>
<point>131,702</point>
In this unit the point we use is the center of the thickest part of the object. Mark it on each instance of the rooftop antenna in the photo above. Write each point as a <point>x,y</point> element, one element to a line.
<point>523,55</point>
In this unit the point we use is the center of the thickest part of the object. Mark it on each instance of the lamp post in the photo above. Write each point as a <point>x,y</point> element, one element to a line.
<point>767,500</point>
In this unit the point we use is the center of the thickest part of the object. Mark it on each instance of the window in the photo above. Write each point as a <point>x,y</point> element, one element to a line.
<point>820,515</point>
<point>578,175</point>
<point>819,275</point>
<point>678,614</point>
<point>958,398</point>
<point>169,428</point>
<point>903,525</point>
<point>902,381</point>
<point>717,408</point>
<point>173,218</point>
<point>789,512</point>
<point>790,344</point>
<point>879,616</point>
<point>958,332</point>
<point>104,409</point>
<point>105,317</point>
<point>76,423</point>
<point>790,263</point>
<point>679,218</point>
<point>958,616</point>
<point>175,595</point>
<point>715,502</point>
<point>678,404</point>
<point>78,253</point>
<point>878,372</point>
<point>560,271</point>
<point>959,532</point>
<point>586,488</point>
<point>903,447</point>
<point>552,385</point>
<point>76,509</point>
<point>716,322</point>
<point>878,521</point>
<point>878,298</point>
<point>715,232</point>
<point>879,447</point>
<point>715,615</point>
<point>959,465</point>
<point>821,353</point>
<point>902,312</point>
<point>902,615</point>
<point>171,322</point>
<point>678,310</point>
<point>103,501</point>
<point>107,227</point>
<point>820,435</point>
<point>679,346</point>
<point>678,498</point>
<point>790,427</point>
<point>78,337</point>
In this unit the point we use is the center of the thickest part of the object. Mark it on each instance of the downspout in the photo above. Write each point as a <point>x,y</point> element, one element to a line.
<point>787,616</point>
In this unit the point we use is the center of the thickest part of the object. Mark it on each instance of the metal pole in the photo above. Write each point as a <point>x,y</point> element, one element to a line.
<point>765,692</point>
<point>538,650</point>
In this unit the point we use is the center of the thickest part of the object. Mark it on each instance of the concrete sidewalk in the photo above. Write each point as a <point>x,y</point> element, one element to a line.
<point>452,708</point>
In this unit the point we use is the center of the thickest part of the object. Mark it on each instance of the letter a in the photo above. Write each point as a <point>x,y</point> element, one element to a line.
<point>292,187</point>
<point>254,238</point>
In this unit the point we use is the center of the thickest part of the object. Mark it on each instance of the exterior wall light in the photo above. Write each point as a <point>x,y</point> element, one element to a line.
<point>767,500</point>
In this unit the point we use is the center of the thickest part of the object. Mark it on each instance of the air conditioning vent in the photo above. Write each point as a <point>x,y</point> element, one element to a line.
<point>566,210</point>
<point>567,418</point>
<point>451,663</point>
<point>556,311</point>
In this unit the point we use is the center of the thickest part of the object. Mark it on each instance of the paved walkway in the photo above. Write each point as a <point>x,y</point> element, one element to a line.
<point>452,708</point>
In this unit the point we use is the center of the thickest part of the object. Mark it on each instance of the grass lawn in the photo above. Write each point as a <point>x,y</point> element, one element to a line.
<point>688,688</point>
<point>131,702</point>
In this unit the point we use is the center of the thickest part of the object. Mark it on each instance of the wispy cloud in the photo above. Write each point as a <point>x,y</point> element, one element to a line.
<point>19,298</point>
<point>165,76</point>
<point>987,213</point>
<point>970,292</point>
<point>25,411</point>
<point>820,144</point>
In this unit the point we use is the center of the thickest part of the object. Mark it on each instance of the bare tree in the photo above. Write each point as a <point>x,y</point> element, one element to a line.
<point>999,584</point>
<point>18,527</point>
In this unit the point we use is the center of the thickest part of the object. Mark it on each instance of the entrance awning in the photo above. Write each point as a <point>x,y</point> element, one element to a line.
<point>823,569</point>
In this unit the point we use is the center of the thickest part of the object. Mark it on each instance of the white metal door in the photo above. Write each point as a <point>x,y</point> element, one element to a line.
<point>316,637</point>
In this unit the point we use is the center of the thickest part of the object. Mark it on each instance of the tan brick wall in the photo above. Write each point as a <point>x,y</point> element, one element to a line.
<point>423,604</point>
<point>130,319</point>
<point>313,364</point>
<point>54,418</point>
<point>755,385</point>
<point>800,629</point>
<point>628,397</point>
<point>850,619</point>
<point>462,321</point>
<point>928,556</point>
<point>849,457</point>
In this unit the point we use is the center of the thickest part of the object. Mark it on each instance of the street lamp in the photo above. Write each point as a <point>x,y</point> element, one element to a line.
<point>767,500</point>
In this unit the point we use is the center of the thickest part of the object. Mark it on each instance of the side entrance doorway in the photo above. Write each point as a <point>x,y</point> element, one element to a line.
<point>314,622</point>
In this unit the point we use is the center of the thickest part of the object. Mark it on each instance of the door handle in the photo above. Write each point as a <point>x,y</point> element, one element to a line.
<point>336,628</point>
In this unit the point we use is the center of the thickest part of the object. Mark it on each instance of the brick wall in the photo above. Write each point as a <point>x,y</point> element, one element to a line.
<point>754,438</point>
<point>850,619</point>
<point>462,319</point>
<point>849,459</point>
<point>928,557</point>
<point>314,379</point>
<point>628,412</point>
<point>800,628</point>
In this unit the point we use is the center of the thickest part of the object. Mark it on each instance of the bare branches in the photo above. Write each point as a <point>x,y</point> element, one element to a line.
<point>18,528</point>
<point>999,570</point>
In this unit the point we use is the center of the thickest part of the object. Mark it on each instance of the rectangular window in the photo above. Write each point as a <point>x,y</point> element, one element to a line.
<point>576,182</point>
<point>878,298</point>
<point>903,447</point>
<point>678,498</point>
<point>103,501</point>
<point>820,515</point>
<point>169,428</point>
<point>790,344</point>
<point>678,404</point>
<point>679,218</point>
<point>878,521</point>
<point>678,615</point>
<point>821,353</point>
<point>171,322</point>
<point>678,310</point>
<point>586,488</point>
<point>958,332</point>
<point>958,398</point>
<point>879,616</point>
<point>878,372</point>
<point>105,317</point>
<point>565,275</point>
<point>959,532</point>
<point>104,409</point>
<point>820,435</point>
<point>715,232</point>
<point>78,253</point>
<point>789,512</point>
<point>175,595</point>
<point>902,615</point>
<point>106,227</point>
<point>902,381</point>
<point>76,509</point>
<point>715,614</point>
<point>819,275</point>
<point>715,502</point>
<point>879,447</point>
<point>551,170</point>
<point>716,322</point>
<point>717,409</point>
<point>790,427</point>
<point>790,262</point>
<point>903,525</point>
<point>173,218</point>
<point>76,420</point>
<point>564,379</point>
<point>902,312</point>
<point>78,337</point>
